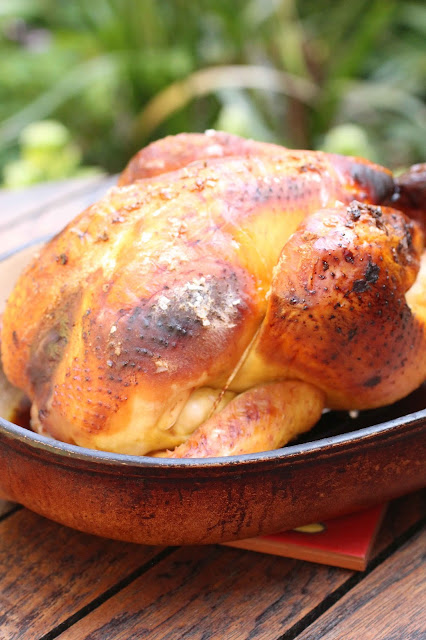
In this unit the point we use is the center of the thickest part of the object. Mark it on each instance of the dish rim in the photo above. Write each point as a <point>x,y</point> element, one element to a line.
<point>70,452</point>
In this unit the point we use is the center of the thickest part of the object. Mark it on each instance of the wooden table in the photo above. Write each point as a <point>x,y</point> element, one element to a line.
<point>59,583</point>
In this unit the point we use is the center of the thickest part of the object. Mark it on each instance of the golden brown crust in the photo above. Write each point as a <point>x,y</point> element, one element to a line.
<point>361,179</point>
<point>338,316</point>
<point>159,288</point>
<point>174,152</point>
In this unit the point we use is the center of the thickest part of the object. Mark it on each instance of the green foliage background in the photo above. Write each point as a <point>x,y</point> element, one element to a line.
<point>119,73</point>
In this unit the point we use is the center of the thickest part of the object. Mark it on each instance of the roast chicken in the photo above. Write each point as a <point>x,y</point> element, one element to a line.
<point>219,298</point>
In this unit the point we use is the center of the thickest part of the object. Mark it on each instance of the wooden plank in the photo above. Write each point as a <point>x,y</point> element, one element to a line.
<point>48,572</point>
<point>18,203</point>
<point>384,606</point>
<point>214,592</point>
<point>202,593</point>
<point>400,516</point>
<point>51,218</point>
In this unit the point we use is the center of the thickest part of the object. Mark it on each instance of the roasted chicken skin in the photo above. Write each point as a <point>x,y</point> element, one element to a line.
<point>410,194</point>
<point>218,299</point>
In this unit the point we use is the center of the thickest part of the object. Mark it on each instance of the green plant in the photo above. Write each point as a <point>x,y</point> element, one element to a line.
<point>46,153</point>
<point>119,73</point>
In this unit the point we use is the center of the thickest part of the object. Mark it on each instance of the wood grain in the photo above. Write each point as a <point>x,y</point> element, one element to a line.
<point>202,593</point>
<point>210,592</point>
<point>18,203</point>
<point>48,572</point>
<point>47,219</point>
<point>400,516</point>
<point>384,606</point>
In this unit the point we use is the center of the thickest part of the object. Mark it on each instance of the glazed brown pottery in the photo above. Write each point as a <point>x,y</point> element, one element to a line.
<point>344,464</point>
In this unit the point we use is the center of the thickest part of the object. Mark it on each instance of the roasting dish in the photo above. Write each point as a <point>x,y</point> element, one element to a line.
<point>342,465</point>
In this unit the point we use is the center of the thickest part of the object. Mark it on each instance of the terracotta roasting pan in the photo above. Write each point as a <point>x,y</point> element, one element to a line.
<point>342,465</point>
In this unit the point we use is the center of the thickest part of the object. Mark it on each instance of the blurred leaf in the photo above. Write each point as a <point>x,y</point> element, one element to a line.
<point>374,98</point>
<point>18,8</point>
<point>118,73</point>
<point>20,174</point>
<point>370,25</point>
<point>349,140</point>
<point>239,116</point>
<point>78,79</point>
<point>47,153</point>
<point>413,15</point>
<point>213,79</point>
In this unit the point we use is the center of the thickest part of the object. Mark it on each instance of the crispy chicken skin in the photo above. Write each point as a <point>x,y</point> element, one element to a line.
<point>339,288</point>
<point>175,152</point>
<point>196,291</point>
<point>410,193</point>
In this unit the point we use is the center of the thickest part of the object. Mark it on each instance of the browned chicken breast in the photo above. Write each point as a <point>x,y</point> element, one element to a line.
<point>218,299</point>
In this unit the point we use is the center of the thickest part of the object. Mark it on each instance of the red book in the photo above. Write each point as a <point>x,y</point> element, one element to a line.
<point>342,542</point>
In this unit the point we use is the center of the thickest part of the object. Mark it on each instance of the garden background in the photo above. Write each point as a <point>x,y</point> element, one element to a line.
<point>101,78</point>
